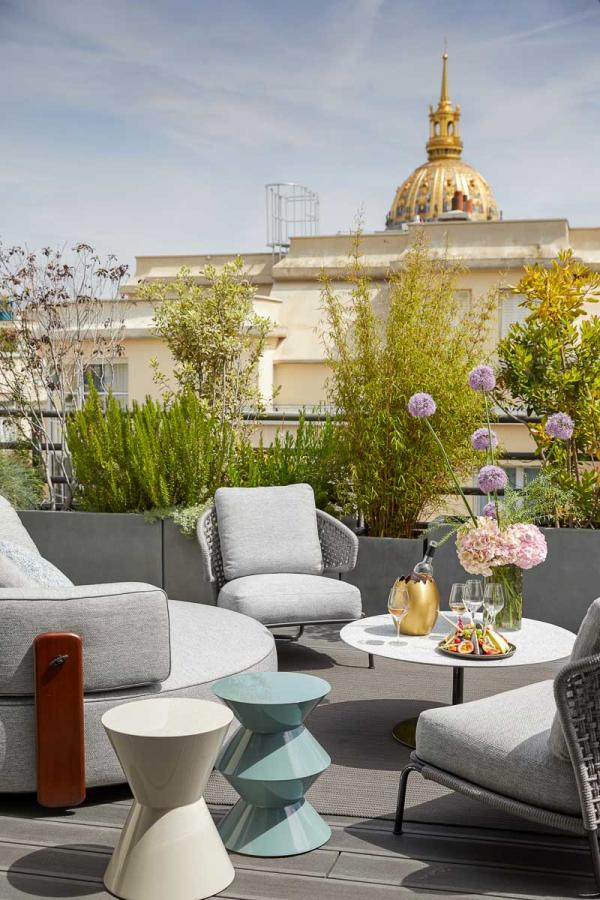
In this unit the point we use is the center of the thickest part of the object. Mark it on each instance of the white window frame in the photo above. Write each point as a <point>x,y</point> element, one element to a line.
<point>103,386</point>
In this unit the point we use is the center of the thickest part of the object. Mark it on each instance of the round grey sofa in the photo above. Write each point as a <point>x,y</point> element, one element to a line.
<point>206,644</point>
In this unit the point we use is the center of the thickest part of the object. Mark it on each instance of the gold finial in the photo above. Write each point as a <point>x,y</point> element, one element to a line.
<point>444,98</point>
<point>444,123</point>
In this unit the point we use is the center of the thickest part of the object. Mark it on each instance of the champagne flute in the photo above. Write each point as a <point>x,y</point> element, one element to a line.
<point>398,606</point>
<point>473,596</point>
<point>493,601</point>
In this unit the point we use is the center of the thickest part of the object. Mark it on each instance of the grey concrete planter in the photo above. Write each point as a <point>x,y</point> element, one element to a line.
<point>380,562</point>
<point>182,569</point>
<point>104,547</point>
<point>99,547</point>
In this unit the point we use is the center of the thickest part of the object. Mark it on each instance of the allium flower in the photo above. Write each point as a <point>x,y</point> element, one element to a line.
<point>482,379</point>
<point>560,425</point>
<point>483,547</point>
<point>531,545</point>
<point>421,406</point>
<point>491,478</point>
<point>489,510</point>
<point>480,439</point>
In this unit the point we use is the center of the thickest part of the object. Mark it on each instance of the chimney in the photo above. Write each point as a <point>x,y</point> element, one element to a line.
<point>468,205</point>
<point>457,200</point>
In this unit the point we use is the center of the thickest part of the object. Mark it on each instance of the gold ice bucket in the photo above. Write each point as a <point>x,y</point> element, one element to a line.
<point>424,604</point>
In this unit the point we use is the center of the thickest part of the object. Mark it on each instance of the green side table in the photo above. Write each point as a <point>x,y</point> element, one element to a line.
<point>271,762</point>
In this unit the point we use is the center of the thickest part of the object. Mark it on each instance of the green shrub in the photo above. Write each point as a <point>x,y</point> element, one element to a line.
<point>168,458</point>
<point>156,455</point>
<point>550,363</point>
<point>20,482</point>
<point>307,454</point>
<point>420,341</point>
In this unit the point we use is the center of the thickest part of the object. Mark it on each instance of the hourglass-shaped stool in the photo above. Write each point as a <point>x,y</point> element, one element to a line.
<point>169,846</point>
<point>271,762</point>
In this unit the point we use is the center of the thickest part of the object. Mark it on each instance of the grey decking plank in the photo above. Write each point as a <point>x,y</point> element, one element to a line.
<point>450,849</point>
<point>537,838</point>
<point>41,833</point>
<point>455,877</point>
<point>317,863</point>
<point>82,862</point>
<point>14,886</point>
<point>252,885</point>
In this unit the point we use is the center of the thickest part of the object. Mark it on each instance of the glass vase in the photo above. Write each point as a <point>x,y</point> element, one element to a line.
<point>511,578</point>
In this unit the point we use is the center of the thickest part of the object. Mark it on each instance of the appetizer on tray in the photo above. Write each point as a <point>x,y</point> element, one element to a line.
<point>475,639</point>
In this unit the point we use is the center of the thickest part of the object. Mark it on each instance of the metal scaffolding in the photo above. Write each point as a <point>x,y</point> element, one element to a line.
<point>292,211</point>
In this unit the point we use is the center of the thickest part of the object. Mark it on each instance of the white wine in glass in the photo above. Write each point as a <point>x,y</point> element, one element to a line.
<point>398,606</point>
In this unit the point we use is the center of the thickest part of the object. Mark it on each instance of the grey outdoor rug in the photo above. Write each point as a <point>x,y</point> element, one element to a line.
<point>353,724</point>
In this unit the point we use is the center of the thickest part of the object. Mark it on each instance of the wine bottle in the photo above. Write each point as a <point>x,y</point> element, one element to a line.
<point>425,567</point>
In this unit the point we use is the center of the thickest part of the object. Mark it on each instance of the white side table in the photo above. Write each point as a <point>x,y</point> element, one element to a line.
<point>169,848</point>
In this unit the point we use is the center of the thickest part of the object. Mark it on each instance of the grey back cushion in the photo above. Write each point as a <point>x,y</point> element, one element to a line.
<point>587,643</point>
<point>124,628</point>
<point>268,530</point>
<point>11,527</point>
<point>20,567</point>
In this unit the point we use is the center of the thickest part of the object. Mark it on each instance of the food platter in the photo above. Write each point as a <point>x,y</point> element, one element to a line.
<point>474,657</point>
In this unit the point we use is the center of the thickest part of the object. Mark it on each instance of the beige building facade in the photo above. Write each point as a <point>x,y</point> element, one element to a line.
<point>293,371</point>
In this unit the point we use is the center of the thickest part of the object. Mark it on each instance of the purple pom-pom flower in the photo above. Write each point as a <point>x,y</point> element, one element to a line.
<point>491,478</point>
<point>421,406</point>
<point>560,425</point>
<point>480,439</point>
<point>482,379</point>
<point>489,510</point>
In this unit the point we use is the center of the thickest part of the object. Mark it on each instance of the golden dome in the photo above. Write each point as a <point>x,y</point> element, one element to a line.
<point>445,183</point>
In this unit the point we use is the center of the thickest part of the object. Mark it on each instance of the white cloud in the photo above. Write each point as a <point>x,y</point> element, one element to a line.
<point>153,126</point>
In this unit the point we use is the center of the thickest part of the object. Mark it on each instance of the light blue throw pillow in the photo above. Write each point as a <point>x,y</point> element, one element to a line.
<point>20,567</point>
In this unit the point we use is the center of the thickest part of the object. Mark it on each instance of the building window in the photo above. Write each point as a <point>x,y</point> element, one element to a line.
<point>107,377</point>
<point>511,313</point>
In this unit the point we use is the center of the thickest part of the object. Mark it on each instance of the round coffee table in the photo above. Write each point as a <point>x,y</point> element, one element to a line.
<point>169,846</point>
<point>536,642</point>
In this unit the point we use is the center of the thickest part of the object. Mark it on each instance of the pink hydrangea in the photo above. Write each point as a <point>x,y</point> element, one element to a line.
<point>531,545</point>
<point>480,548</point>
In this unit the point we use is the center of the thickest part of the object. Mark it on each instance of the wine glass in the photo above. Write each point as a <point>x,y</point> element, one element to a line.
<point>457,600</point>
<point>398,606</point>
<point>493,601</point>
<point>473,596</point>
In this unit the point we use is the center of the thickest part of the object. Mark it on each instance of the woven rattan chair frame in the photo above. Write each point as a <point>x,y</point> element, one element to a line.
<point>577,694</point>
<point>339,547</point>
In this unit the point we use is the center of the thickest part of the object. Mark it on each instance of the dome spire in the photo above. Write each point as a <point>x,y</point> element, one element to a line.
<point>444,98</point>
<point>444,135</point>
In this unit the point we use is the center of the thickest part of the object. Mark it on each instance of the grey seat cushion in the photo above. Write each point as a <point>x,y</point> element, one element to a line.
<point>501,743</point>
<point>124,627</point>
<point>587,643</point>
<point>268,530</point>
<point>21,567</point>
<point>11,527</point>
<point>207,644</point>
<point>278,599</point>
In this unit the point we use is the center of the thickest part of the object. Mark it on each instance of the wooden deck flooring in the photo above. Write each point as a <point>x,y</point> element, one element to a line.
<point>65,855</point>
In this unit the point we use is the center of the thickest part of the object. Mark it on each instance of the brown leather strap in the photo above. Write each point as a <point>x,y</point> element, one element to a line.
<point>58,666</point>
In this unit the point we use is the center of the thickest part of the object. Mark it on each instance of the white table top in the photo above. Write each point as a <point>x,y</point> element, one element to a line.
<point>536,642</point>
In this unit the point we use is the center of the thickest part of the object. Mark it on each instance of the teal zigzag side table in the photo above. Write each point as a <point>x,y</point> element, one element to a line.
<point>271,762</point>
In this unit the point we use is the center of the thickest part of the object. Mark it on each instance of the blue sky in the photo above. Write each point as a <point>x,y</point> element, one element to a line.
<point>145,126</point>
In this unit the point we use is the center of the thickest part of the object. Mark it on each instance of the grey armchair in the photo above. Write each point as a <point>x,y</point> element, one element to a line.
<point>285,598</point>
<point>543,764</point>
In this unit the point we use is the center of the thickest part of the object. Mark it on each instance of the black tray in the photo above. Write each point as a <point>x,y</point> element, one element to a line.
<point>477,657</point>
